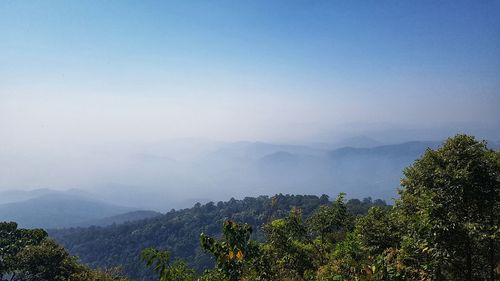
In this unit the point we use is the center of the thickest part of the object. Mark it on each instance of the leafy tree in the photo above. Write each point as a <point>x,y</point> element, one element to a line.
<point>449,203</point>
<point>329,224</point>
<point>28,255</point>
<point>348,261</point>
<point>234,251</point>
<point>45,261</point>
<point>331,219</point>
<point>289,246</point>
<point>12,242</point>
<point>378,230</point>
<point>160,262</point>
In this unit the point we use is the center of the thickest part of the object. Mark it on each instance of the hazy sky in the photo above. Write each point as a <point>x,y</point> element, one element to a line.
<point>85,72</point>
<point>232,70</point>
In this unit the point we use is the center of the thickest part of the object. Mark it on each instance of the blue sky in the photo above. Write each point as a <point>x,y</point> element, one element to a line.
<point>256,70</point>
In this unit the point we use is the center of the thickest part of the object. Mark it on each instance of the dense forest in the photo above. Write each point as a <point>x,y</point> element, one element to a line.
<point>443,226</point>
<point>179,231</point>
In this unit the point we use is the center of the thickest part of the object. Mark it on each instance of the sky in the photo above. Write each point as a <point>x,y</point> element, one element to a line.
<point>79,73</point>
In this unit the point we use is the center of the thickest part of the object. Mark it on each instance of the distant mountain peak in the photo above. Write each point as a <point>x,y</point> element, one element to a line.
<point>359,142</point>
<point>58,209</point>
<point>280,156</point>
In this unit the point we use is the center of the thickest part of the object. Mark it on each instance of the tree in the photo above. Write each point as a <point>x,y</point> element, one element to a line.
<point>329,225</point>
<point>289,246</point>
<point>160,262</point>
<point>449,204</point>
<point>46,261</point>
<point>378,230</point>
<point>331,222</point>
<point>234,251</point>
<point>12,241</point>
<point>28,255</point>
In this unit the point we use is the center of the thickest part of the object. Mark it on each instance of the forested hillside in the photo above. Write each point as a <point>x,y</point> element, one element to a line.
<point>122,218</point>
<point>179,231</point>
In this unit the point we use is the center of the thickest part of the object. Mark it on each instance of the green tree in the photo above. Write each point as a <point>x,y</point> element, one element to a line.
<point>331,222</point>
<point>46,261</point>
<point>234,252</point>
<point>160,262</point>
<point>348,261</point>
<point>329,225</point>
<point>13,241</point>
<point>289,246</point>
<point>28,255</point>
<point>449,204</point>
<point>379,230</point>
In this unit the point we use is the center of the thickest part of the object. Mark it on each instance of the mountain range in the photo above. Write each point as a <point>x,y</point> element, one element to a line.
<point>54,209</point>
<point>216,172</point>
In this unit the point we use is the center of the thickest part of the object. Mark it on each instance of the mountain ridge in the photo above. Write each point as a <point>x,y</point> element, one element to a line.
<point>56,210</point>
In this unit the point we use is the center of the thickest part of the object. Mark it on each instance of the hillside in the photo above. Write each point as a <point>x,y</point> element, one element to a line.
<point>121,218</point>
<point>178,231</point>
<point>55,210</point>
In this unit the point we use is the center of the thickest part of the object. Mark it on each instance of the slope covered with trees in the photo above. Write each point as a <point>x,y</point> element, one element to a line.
<point>179,230</point>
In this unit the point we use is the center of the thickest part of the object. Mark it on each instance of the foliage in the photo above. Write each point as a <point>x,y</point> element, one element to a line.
<point>13,241</point>
<point>179,231</point>
<point>108,274</point>
<point>160,262</point>
<point>450,206</point>
<point>289,246</point>
<point>234,251</point>
<point>28,255</point>
<point>45,261</point>
<point>379,230</point>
